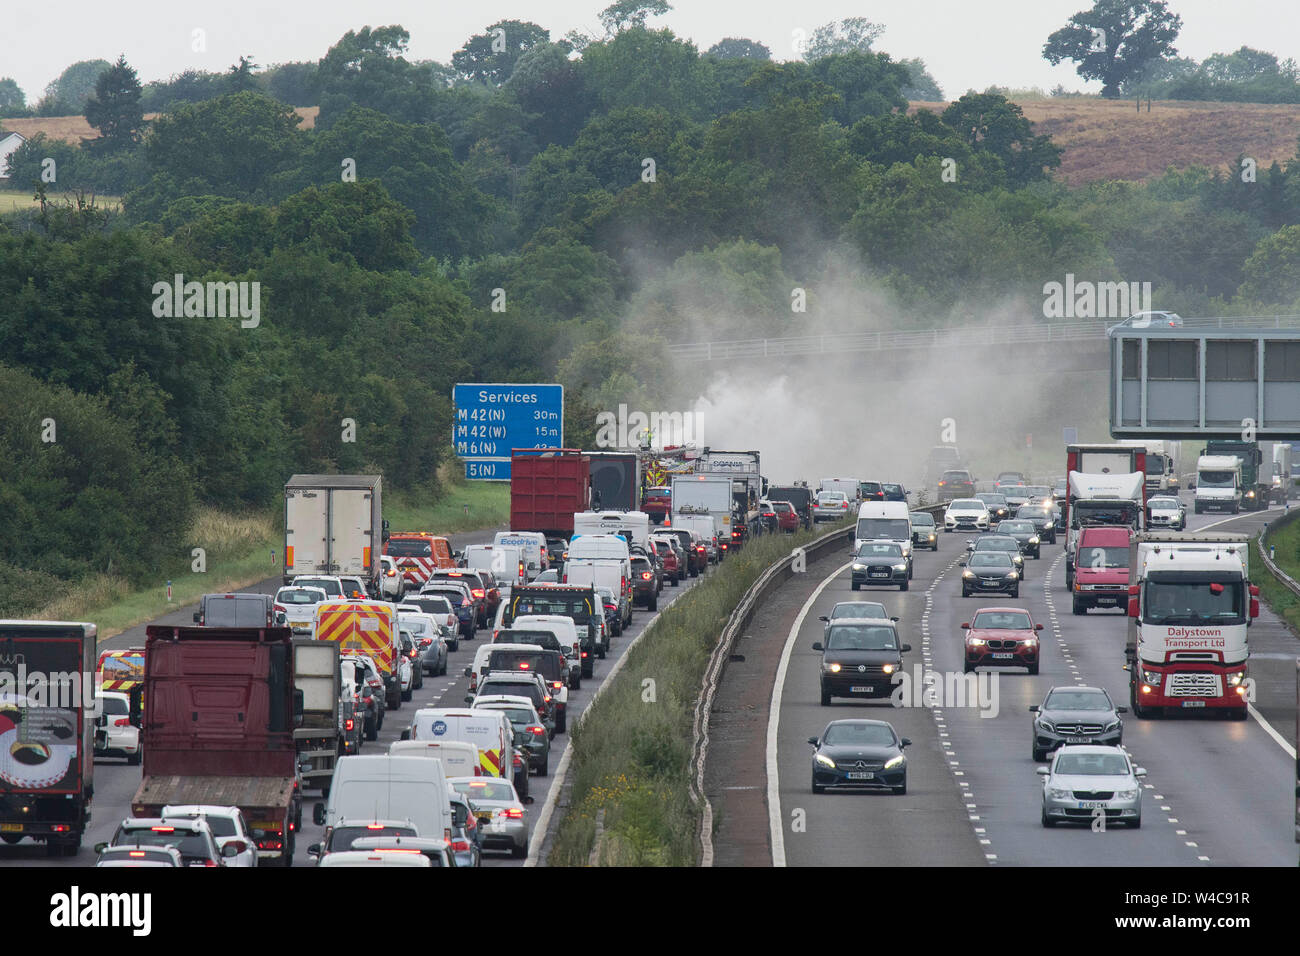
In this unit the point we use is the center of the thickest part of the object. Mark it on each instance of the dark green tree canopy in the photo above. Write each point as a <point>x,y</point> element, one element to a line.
<point>1116,40</point>
<point>490,57</point>
<point>114,109</point>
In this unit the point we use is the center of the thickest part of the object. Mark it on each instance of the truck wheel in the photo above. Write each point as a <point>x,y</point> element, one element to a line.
<point>1077,607</point>
<point>600,651</point>
<point>545,769</point>
<point>652,606</point>
<point>855,585</point>
<point>135,758</point>
<point>903,586</point>
<point>406,694</point>
<point>286,858</point>
<point>372,731</point>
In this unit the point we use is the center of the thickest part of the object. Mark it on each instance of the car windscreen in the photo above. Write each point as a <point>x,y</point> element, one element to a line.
<point>192,845</point>
<point>861,637</point>
<point>576,607</point>
<point>894,528</point>
<point>875,549</point>
<point>1076,700</point>
<point>342,837</point>
<point>484,789</point>
<point>517,715</point>
<point>1033,511</point>
<point>126,667</point>
<point>541,638</point>
<point>235,612</point>
<point>963,476</point>
<point>1017,527</point>
<point>457,598</point>
<point>410,548</point>
<point>920,518</point>
<point>1192,597</point>
<point>113,706</point>
<point>1102,559</point>
<point>991,499</point>
<point>858,609</point>
<point>1092,765</point>
<point>1216,479</point>
<point>863,735</point>
<point>1107,513</point>
<point>519,660</point>
<point>1163,504</point>
<point>830,498</point>
<point>506,688</point>
<point>967,504</point>
<point>331,588</point>
<point>429,604</point>
<point>1007,620</point>
<point>997,544</point>
<point>219,825</point>
<point>297,596</point>
<point>990,559</point>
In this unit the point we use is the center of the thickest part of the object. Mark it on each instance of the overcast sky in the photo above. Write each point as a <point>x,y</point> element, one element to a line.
<point>967,44</point>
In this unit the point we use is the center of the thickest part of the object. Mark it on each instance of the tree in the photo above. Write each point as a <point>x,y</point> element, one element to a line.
<point>850,35</point>
<point>647,68</point>
<point>1115,41</point>
<point>989,123</point>
<point>549,88</point>
<point>240,76</point>
<point>292,83</point>
<point>1272,269</point>
<point>366,68</point>
<point>115,108</point>
<point>921,86</point>
<point>622,14</point>
<point>491,56</point>
<point>75,84</point>
<point>733,48</point>
<point>12,98</point>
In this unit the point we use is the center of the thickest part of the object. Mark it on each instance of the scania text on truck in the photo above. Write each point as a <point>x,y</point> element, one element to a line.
<point>1218,484</point>
<point>1255,483</point>
<point>47,747</point>
<point>220,710</point>
<point>1190,606</point>
<point>333,524</point>
<point>1101,499</point>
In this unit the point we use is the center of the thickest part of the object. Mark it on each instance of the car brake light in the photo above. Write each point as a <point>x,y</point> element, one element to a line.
<point>557,684</point>
<point>537,731</point>
<point>645,575</point>
<point>477,592</point>
<point>210,863</point>
<point>122,722</point>
<point>460,846</point>
<point>280,608</point>
<point>584,653</point>
<point>135,853</point>
<point>163,829</point>
<point>523,665</point>
<point>515,813</point>
<point>349,724</point>
<point>374,826</point>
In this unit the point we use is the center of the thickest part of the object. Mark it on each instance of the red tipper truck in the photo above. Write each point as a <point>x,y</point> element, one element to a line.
<point>46,741</point>
<point>1102,460</point>
<point>1101,567</point>
<point>547,489</point>
<point>221,706</point>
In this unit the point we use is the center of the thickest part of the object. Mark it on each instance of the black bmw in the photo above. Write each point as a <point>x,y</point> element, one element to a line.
<point>861,754</point>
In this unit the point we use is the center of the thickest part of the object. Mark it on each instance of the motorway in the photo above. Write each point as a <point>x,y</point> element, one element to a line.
<point>116,783</point>
<point>1218,793</point>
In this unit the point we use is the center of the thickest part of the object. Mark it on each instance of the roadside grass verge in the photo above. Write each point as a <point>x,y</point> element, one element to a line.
<point>1286,543</point>
<point>632,748</point>
<point>462,506</point>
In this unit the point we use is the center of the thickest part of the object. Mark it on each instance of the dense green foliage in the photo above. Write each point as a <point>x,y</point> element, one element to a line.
<point>528,212</point>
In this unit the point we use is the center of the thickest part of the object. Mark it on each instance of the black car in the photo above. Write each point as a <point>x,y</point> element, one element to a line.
<point>373,702</point>
<point>1026,534</point>
<point>956,483</point>
<point>997,505</point>
<point>645,583</point>
<point>800,496</point>
<point>893,492</point>
<point>986,571</point>
<point>870,491</point>
<point>557,550</point>
<point>880,562</point>
<point>999,542</point>
<point>1045,516</point>
<point>1076,715</point>
<point>861,754</point>
<point>859,658</point>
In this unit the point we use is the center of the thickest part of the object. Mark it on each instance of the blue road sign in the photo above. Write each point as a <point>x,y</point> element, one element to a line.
<point>494,418</point>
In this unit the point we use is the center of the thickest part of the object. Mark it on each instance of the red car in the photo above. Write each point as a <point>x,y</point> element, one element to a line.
<point>673,571</point>
<point>1002,637</point>
<point>787,519</point>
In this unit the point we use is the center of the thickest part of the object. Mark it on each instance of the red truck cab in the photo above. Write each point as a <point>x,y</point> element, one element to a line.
<point>1101,570</point>
<point>657,503</point>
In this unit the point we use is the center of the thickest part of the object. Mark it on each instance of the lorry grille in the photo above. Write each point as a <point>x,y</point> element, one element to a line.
<point>1194,685</point>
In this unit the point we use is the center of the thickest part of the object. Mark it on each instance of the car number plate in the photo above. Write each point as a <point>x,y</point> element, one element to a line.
<point>1193,703</point>
<point>1003,655</point>
<point>861,775</point>
<point>880,574</point>
<point>862,689</point>
<point>1092,804</point>
<point>11,828</point>
<point>1078,740</point>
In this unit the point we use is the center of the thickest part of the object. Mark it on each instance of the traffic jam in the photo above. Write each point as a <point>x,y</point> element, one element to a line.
<point>405,705</point>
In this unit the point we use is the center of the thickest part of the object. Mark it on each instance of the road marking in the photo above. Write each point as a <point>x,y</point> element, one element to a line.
<point>775,822</point>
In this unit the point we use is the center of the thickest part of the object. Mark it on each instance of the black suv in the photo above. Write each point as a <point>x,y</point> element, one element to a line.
<point>645,579</point>
<point>956,483</point>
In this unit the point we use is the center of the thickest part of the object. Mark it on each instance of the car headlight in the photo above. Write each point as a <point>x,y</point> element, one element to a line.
<point>968,574</point>
<point>1058,794</point>
<point>1236,678</point>
<point>1012,576</point>
<point>1113,725</point>
<point>1125,794</point>
<point>977,642</point>
<point>859,567</point>
<point>1047,725</point>
<point>931,537</point>
<point>833,668</point>
<point>888,668</point>
<point>1152,677</point>
<point>893,762</point>
<point>825,761</point>
<point>1033,539</point>
<point>901,567</point>
<point>1030,642</point>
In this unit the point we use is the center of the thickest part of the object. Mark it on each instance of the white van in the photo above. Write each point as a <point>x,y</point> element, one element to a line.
<point>531,543</point>
<point>704,526</point>
<point>494,738</point>
<point>632,525</point>
<point>849,486</point>
<point>506,562</point>
<point>604,573</point>
<point>459,758</point>
<point>384,787</point>
<point>885,521</point>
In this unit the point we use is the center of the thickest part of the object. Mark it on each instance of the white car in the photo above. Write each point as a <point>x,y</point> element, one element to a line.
<point>966,514</point>
<point>115,735</point>
<point>227,825</point>
<point>385,857</point>
<point>298,605</point>
<point>392,584</point>
<point>1166,511</point>
<point>405,676</point>
<point>830,506</point>
<point>1146,320</point>
<point>1086,782</point>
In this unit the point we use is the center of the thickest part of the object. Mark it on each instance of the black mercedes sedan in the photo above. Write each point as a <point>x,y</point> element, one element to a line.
<point>859,754</point>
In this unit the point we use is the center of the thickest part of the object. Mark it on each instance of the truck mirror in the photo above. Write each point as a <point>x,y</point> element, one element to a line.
<point>297,707</point>
<point>1132,607</point>
<point>1254,607</point>
<point>406,734</point>
<point>196,617</point>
